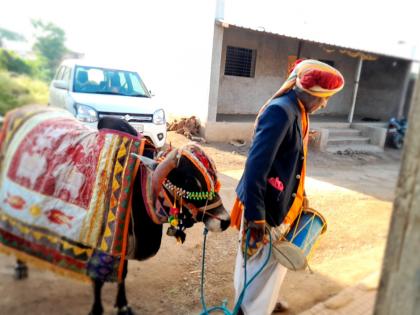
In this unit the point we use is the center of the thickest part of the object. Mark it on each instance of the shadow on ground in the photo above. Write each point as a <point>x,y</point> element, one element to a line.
<point>169,283</point>
<point>353,194</point>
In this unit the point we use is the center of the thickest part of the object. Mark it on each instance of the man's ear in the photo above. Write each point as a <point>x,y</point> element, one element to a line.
<point>150,164</point>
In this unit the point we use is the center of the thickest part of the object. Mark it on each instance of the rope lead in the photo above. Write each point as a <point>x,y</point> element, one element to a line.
<point>223,307</point>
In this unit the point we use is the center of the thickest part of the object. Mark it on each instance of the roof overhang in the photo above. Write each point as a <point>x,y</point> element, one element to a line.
<point>368,51</point>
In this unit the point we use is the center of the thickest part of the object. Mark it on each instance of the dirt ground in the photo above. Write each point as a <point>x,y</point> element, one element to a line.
<point>354,193</point>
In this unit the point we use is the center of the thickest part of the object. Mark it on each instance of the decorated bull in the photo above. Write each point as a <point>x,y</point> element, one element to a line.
<point>81,201</point>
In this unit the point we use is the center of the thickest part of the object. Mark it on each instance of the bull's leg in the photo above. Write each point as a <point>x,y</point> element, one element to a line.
<point>21,270</point>
<point>121,302</point>
<point>97,308</point>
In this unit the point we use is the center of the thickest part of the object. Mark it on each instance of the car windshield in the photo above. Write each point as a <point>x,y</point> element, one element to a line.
<point>108,81</point>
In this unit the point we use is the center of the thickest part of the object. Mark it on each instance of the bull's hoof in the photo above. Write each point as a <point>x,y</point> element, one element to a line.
<point>21,272</point>
<point>96,312</point>
<point>126,310</point>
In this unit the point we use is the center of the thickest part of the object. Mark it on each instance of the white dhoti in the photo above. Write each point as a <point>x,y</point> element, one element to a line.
<point>261,295</point>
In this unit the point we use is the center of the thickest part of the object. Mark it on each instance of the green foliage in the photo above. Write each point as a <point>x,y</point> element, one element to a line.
<point>17,90</point>
<point>9,35</point>
<point>49,45</point>
<point>13,63</point>
<point>24,81</point>
<point>40,70</point>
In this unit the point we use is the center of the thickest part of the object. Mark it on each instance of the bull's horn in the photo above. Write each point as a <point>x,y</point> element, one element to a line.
<point>163,169</point>
<point>150,164</point>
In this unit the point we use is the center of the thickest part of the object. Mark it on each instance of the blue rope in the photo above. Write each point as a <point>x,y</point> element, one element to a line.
<point>223,307</point>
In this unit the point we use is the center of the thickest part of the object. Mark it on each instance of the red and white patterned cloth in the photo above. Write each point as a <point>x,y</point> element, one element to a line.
<point>65,187</point>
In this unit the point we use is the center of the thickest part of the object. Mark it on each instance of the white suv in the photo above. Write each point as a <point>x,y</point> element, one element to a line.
<point>92,91</point>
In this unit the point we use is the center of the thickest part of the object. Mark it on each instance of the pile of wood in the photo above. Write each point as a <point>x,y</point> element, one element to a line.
<point>189,127</point>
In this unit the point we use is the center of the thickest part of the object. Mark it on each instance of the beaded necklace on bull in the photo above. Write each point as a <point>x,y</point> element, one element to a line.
<point>178,220</point>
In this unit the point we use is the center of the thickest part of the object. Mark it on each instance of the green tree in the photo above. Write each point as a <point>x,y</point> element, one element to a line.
<point>9,35</point>
<point>49,45</point>
<point>10,61</point>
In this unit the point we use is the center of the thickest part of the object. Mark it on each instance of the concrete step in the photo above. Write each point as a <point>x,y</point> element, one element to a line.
<point>348,140</point>
<point>354,148</point>
<point>343,132</point>
<point>327,125</point>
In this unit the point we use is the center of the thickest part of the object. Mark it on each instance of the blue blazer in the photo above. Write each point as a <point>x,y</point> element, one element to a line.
<point>276,154</point>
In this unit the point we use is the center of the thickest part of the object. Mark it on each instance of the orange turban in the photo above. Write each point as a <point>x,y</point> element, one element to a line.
<point>317,78</point>
<point>312,76</point>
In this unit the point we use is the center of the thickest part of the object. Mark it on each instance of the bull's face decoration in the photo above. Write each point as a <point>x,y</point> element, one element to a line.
<point>186,185</point>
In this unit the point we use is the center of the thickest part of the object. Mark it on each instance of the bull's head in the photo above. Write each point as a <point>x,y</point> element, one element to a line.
<point>186,188</point>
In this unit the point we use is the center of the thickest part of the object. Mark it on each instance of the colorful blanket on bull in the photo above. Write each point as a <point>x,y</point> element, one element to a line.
<point>65,192</point>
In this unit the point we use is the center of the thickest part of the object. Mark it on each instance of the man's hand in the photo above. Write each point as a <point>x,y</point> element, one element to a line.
<point>305,203</point>
<point>257,230</point>
<point>256,239</point>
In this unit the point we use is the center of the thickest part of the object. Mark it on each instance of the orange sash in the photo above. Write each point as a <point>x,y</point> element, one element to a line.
<point>238,207</point>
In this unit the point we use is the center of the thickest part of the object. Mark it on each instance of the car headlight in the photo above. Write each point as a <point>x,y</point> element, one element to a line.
<point>86,113</point>
<point>159,117</point>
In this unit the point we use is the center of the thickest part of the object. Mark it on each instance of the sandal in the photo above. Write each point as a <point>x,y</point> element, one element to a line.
<point>281,307</point>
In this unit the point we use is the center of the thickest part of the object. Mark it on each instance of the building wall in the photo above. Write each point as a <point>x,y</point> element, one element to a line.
<point>215,72</point>
<point>381,88</point>
<point>409,96</point>
<point>240,95</point>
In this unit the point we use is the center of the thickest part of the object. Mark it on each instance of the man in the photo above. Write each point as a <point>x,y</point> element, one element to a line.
<point>115,83</point>
<point>271,190</point>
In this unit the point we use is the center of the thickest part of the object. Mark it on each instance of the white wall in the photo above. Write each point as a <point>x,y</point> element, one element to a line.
<point>177,54</point>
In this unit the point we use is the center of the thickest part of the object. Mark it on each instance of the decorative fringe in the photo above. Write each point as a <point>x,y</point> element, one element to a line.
<point>128,216</point>
<point>42,264</point>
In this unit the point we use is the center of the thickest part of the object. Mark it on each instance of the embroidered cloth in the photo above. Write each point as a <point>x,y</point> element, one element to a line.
<point>65,190</point>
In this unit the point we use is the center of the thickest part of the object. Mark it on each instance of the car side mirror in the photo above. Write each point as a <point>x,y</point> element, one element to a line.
<point>151,93</point>
<point>60,84</point>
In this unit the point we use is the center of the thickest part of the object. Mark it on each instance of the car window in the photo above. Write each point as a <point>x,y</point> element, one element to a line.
<point>59,73</point>
<point>123,80</point>
<point>108,81</point>
<point>138,85</point>
<point>66,74</point>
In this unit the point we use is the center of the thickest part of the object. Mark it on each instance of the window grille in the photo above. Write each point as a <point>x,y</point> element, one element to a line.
<point>240,62</point>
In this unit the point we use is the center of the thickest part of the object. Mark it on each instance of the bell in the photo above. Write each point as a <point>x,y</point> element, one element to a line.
<point>171,231</point>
